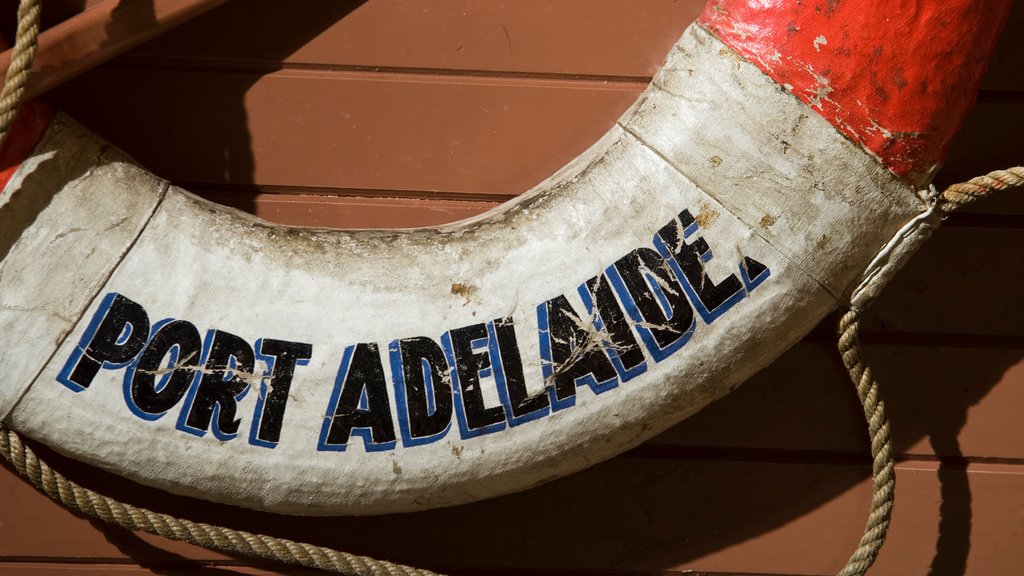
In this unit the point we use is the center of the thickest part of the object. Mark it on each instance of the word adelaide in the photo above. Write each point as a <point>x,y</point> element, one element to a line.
<point>643,308</point>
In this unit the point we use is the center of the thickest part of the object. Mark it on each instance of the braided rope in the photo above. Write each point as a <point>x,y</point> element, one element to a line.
<point>884,479</point>
<point>882,468</point>
<point>130,517</point>
<point>21,62</point>
<point>112,511</point>
<point>958,195</point>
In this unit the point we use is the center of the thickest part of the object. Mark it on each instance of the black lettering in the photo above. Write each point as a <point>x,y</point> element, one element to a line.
<point>753,272</point>
<point>418,367</point>
<point>180,340</point>
<point>574,355</point>
<point>286,356</point>
<point>116,334</point>
<point>711,299</point>
<point>363,377</point>
<point>468,365</point>
<point>656,301</point>
<point>221,385</point>
<point>624,347</point>
<point>509,371</point>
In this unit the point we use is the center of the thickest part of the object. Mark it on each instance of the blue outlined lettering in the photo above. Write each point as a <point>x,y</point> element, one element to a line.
<point>569,357</point>
<point>115,335</point>
<point>359,404</point>
<point>423,393</point>
<point>281,358</point>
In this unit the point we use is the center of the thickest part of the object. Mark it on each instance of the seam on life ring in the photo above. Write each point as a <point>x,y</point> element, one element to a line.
<point>161,195</point>
<point>894,254</point>
<point>753,229</point>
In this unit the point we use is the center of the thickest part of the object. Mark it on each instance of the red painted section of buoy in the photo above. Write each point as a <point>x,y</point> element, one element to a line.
<point>897,76</point>
<point>25,132</point>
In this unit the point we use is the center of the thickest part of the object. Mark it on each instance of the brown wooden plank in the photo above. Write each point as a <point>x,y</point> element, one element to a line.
<point>404,134</point>
<point>992,138</point>
<point>348,130</point>
<point>965,280</point>
<point>1004,71</point>
<point>607,38</point>
<point>951,402</point>
<point>95,35</point>
<point>56,568</point>
<point>350,212</point>
<point>628,514</point>
<point>960,288</point>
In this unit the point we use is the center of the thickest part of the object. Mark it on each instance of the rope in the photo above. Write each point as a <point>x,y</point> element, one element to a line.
<point>111,511</point>
<point>21,62</point>
<point>117,513</point>
<point>882,468</point>
<point>958,195</point>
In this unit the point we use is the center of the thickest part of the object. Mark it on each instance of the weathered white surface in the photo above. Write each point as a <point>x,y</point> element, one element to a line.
<point>771,160</point>
<point>219,269</point>
<point>66,217</point>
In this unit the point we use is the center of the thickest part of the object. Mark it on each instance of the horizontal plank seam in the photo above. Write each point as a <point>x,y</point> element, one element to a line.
<point>258,68</point>
<point>813,457</point>
<point>239,190</point>
<point>1000,96</point>
<point>158,564</point>
<point>985,220</point>
<point>198,564</point>
<point>824,333</point>
<point>263,67</point>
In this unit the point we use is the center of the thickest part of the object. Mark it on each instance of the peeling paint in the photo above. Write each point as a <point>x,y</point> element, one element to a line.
<point>872,53</point>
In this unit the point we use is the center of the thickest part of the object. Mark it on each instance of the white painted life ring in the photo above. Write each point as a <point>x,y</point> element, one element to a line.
<point>200,350</point>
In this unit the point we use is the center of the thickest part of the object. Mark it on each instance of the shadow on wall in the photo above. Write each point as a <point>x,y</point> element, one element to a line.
<point>682,497</point>
<point>224,144</point>
<point>665,505</point>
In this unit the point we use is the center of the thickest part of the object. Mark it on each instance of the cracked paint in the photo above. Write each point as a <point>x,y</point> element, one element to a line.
<point>932,55</point>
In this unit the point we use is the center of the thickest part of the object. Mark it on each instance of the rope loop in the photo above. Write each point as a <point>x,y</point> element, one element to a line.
<point>129,517</point>
<point>877,274</point>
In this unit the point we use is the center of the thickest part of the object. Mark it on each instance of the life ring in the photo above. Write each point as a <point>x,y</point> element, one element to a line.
<point>198,349</point>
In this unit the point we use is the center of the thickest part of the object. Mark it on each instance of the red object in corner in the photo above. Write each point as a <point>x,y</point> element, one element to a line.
<point>897,76</point>
<point>28,127</point>
<point>26,130</point>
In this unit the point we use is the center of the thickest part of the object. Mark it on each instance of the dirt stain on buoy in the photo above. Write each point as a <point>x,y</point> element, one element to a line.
<point>465,290</point>
<point>706,216</point>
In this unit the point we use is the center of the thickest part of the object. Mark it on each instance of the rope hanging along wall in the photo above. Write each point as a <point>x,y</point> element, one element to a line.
<point>610,347</point>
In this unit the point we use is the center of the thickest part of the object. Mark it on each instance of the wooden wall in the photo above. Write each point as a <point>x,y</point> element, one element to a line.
<point>405,113</point>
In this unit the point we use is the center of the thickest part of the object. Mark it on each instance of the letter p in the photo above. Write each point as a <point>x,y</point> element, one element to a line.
<point>115,336</point>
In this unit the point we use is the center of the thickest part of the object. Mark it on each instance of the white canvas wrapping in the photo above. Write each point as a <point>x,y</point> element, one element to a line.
<point>766,181</point>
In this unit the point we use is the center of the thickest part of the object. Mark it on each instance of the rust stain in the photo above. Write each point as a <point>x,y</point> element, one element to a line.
<point>706,216</point>
<point>767,222</point>
<point>467,291</point>
<point>730,55</point>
